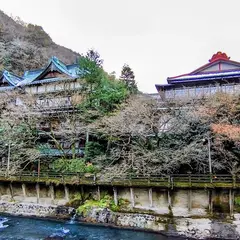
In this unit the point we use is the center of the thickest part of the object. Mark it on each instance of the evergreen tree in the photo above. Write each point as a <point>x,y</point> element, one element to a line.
<point>128,77</point>
<point>102,91</point>
<point>94,56</point>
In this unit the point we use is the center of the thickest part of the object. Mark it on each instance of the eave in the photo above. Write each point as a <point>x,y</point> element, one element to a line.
<point>10,78</point>
<point>58,65</point>
<point>205,77</point>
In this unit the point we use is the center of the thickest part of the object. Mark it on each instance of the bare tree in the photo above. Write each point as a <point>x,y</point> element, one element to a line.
<point>17,132</point>
<point>145,138</point>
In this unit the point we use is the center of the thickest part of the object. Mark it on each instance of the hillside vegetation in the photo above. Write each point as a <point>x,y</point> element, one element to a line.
<point>27,46</point>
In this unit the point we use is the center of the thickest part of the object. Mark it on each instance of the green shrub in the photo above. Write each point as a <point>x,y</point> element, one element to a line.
<point>93,149</point>
<point>237,201</point>
<point>106,202</point>
<point>72,165</point>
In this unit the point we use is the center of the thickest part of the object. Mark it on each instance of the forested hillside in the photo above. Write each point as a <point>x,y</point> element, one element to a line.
<point>27,46</point>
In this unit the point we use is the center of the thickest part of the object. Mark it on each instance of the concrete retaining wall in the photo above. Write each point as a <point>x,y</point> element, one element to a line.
<point>36,210</point>
<point>196,213</point>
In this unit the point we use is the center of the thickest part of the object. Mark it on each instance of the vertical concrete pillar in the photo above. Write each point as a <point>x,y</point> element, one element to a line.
<point>169,199</point>
<point>150,197</point>
<point>210,201</point>
<point>24,190</point>
<point>52,194</point>
<point>66,190</point>
<point>11,191</point>
<point>38,191</point>
<point>115,196</point>
<point>132,197</point>
<point>98,193</point>
<point>189,200</point>
<point>231,202</point>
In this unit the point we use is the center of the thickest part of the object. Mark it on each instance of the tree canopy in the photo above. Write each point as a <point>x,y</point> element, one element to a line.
<point>123,133</point>
<point>128,77</point>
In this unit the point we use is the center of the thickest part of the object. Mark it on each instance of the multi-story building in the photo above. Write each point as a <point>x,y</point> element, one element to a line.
<point>55,91</point>
<point>219,75</point>
<point>56,77</point>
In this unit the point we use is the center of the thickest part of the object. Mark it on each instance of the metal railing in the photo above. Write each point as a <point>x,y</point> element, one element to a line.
<point>170,181</point>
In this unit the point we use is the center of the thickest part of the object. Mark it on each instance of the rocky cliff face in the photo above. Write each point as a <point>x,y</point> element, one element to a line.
<point>27,46</point>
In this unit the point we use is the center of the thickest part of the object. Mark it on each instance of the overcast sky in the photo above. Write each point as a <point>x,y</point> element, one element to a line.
<point>157,38</point>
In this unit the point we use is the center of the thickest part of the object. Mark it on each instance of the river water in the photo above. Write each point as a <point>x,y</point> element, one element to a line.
<point>31,229</point>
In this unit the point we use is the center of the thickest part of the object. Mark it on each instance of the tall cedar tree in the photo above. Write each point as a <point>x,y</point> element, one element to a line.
<point>127,75</point>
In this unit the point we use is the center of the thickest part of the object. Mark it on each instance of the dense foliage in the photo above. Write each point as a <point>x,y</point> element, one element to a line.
<point>72,165</point>
<point>102,94</point>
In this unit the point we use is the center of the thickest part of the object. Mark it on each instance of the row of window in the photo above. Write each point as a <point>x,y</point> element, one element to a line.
<point>47,88</point>
<point>201,91</point>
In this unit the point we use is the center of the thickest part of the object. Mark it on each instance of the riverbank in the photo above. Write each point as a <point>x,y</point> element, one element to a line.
<point>198,228</point>
<point>12,227</point>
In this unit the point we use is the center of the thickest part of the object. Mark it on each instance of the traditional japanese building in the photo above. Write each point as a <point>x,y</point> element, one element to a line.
<point>49,79</point>
<point>219,75</point>
<point>54,89</point>
<point>46,82</point>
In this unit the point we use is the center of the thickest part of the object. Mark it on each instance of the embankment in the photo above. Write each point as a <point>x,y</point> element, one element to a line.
<point>197,213</point>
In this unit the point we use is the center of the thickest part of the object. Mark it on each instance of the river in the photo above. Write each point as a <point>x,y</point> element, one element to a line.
<point>18,228</point>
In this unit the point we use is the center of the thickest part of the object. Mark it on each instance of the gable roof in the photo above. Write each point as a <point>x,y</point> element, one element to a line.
<point>31,75</point>
<point>218,58</point>
<point>219,65</point>
<point>54,64</point>
<point>219,68</point>
<point>10,78</point>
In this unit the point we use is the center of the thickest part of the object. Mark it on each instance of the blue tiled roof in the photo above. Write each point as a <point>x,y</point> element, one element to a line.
<point>205,77</point>
<point>60,65</point>
<point>73,69</point>
<point>30,77</point>
<point>217,75</point>
<point>34,76</point>
<point>11,78</point>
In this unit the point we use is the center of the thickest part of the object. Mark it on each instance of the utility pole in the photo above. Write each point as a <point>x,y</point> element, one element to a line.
<point>8,158</point>
<point>208,141</point>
